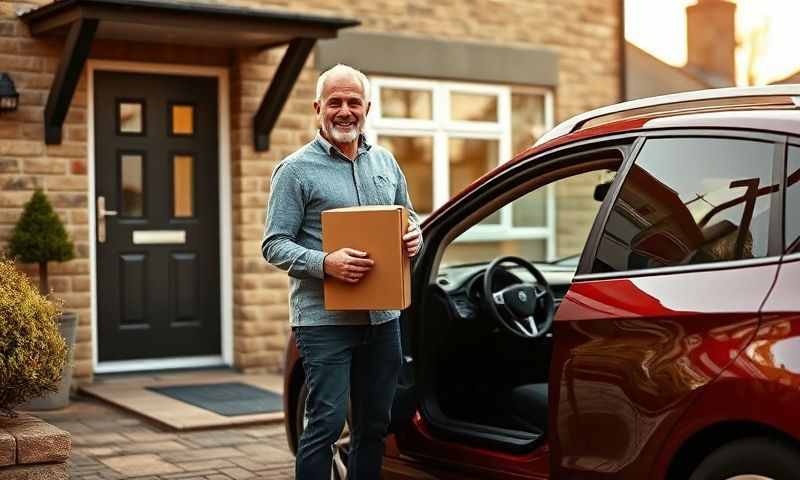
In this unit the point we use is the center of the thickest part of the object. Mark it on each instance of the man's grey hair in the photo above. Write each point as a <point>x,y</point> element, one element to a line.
<point>339,68</point>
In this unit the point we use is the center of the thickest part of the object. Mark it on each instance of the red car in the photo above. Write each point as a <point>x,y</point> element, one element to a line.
<point>667,347</point>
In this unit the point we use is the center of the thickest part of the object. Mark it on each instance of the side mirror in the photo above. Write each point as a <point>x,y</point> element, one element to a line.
<point>601,190</point>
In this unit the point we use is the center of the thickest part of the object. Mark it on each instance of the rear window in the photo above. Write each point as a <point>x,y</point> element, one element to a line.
<point>792,214</point>
<point>690,201</point>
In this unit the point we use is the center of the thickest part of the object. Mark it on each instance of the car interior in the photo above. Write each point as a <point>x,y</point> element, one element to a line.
<point>486,378</point>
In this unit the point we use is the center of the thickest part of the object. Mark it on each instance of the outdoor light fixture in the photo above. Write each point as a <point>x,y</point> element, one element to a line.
<point>9,98</point>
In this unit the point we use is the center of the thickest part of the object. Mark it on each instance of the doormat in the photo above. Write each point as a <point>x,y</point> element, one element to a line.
<point>228,399</point>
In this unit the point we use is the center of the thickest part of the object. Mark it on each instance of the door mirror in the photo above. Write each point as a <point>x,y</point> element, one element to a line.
<point>601,190</point>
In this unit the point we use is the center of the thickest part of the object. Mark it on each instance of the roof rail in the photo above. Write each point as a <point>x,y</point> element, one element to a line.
<point>716,98</point>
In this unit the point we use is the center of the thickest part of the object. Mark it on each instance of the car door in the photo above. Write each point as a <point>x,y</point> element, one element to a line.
<point>667,294</point>
<point>422,446</point>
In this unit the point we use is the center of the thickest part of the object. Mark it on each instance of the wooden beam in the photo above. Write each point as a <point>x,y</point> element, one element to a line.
<point>76,50</point>
<point>279,90</point>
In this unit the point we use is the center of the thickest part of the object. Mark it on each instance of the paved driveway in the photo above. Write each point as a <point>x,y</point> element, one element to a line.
<point>108,444</point>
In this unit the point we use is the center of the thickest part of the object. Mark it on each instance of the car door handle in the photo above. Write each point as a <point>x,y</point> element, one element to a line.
<point>102,213</point>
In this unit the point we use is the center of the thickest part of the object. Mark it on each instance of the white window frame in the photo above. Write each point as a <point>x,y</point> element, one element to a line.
<point>441,128</point>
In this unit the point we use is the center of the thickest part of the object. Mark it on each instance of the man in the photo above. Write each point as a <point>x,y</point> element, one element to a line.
<point>344,354</point>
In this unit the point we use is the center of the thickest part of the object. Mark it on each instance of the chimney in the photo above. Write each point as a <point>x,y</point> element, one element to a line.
<point>711,41</point>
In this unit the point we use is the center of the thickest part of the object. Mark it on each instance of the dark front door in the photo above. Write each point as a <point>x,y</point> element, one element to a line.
<point>157,206</point>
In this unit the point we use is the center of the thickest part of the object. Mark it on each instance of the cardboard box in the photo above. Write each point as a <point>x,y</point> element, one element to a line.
<point>377,230</point>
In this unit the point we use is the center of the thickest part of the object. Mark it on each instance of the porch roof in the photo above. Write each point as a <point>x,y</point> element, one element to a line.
<point>186,23</point>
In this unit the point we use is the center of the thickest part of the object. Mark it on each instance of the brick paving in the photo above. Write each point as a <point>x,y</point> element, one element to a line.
<point>110,444</point>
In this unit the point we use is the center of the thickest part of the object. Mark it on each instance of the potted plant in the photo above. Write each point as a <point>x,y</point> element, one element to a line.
<point>32,352</point>
<point>39,237</point>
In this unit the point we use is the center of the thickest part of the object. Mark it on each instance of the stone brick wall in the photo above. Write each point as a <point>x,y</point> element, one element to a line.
<point>584,32</point>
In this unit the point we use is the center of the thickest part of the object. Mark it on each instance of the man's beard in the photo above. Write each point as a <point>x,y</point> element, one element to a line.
<point>343,136</point>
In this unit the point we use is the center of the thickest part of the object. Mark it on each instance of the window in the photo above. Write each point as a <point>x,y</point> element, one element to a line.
<point>792,214</point>
<point>689,201</point>
<point>446,135</point>
<point>578,205</point>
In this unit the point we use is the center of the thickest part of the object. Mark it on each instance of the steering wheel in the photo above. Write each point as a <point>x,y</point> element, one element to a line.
<point>523,309</point>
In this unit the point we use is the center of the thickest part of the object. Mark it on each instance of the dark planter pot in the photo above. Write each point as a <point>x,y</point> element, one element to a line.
<point>68,327</point>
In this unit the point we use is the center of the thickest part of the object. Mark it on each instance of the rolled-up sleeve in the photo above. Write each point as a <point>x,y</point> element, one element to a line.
<point>285,213</point>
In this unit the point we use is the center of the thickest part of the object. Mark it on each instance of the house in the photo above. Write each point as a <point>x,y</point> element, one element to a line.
<point>711,63</point>
<point>154,126</point>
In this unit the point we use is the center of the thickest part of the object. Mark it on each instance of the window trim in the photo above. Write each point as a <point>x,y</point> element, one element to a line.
<point>584,272</point>
<point>440,128</point>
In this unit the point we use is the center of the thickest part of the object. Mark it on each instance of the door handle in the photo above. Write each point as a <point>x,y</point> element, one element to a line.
<point>102,213</point>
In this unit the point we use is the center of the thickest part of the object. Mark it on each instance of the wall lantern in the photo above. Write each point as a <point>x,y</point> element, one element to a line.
<point>9,98</point>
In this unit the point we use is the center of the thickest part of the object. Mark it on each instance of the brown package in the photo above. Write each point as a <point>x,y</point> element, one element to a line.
<point>377,230</point>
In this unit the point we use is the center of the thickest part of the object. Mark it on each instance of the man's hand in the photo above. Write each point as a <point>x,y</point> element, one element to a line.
<point>412,239</point>
<point>348,265</point>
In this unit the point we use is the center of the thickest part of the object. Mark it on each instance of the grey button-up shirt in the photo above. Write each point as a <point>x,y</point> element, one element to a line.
<point>319,177</point>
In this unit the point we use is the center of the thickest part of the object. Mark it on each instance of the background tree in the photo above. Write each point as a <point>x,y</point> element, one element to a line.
<point>39,237</point>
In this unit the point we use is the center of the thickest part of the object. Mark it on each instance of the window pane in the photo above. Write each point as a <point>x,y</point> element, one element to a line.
<point>182,119</point>
<point>471,107</point>
<point>183,185</point>
<point>400,103</point>
<point>530,210</point>
<point>415,156</point>
<point>472,252</point>
<point>130,117</point>
<point>527,120</point>
<point>132,191</point>
<point>469,159</point>
<point>689,201</point>
<point>792,213</point>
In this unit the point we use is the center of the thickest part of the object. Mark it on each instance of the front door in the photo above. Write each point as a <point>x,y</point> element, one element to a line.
<point>157,206</point>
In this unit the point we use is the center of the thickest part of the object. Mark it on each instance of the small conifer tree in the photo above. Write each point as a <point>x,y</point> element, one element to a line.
<point>39,237</point>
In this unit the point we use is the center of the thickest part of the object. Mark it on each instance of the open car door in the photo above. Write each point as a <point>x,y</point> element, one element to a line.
<point>431,437</point>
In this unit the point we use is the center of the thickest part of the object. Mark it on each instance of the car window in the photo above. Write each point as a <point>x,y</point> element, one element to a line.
<point>543,225</point>
<point>689,201</point>
<point>792,214</point>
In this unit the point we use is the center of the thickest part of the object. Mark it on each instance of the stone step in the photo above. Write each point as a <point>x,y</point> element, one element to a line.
<point>27,440</point>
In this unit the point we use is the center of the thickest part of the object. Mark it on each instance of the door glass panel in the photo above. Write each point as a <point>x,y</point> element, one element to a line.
<point>183,185</point>
<point>132,185</point>
<point>471,107</point>
<point>469,159</point>
<point>131,119</point>
<point>792,214</point>
<point>690,201</point>
<point>415,156</point>
<point>182,119</point>
<point>404,103</point>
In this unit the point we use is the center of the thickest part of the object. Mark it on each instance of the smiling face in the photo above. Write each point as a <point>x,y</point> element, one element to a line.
<point>342,109</point>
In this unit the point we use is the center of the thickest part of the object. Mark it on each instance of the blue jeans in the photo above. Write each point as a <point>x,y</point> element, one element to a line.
<point>360,362</point>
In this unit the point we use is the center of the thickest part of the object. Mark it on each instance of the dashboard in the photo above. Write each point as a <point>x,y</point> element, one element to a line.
<point>463,284</point>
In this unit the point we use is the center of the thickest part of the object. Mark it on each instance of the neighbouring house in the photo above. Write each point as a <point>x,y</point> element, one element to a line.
<point>154,126</point>
<point>793,78</point>
<point>711,62</point>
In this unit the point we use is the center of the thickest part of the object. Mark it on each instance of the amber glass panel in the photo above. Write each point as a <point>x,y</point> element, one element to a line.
<point>183,185</point>
<point>527,120</point>
<point>471,107</point>
<point>130,117</point>
<point>415,156</point>
<point>401,103</point>
<point>469,159</point>
<point>132,185</point>
<point>182,120</point>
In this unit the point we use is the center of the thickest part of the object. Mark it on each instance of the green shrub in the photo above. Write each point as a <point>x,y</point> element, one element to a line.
<point>39,237</point>
<point>32,351</point>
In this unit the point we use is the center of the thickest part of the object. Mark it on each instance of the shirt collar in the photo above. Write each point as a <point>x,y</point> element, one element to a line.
<point>330,149</point>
